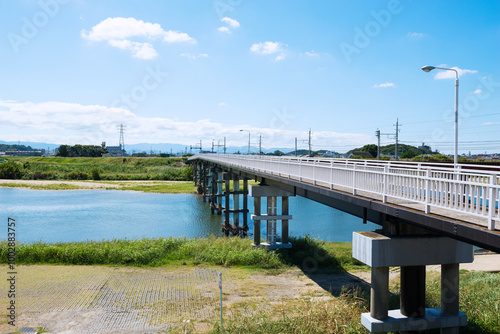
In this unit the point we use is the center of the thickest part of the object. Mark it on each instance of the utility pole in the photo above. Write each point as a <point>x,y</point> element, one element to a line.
<point>212,146</point>
<point>377,133</point>
<point>310,149</point>
<point>122,140</point>
<point>295,146</point>
<point>196,147</point>
<point>224,145</point>
<point>260,144</point>
<point>397,138</point>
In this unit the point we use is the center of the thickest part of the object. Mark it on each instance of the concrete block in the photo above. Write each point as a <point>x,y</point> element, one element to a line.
<point>266,191</point>
<point>377,250</point>
<point>398,322</point>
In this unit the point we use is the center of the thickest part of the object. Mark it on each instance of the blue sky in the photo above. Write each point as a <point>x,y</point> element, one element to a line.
<point>181,71</point>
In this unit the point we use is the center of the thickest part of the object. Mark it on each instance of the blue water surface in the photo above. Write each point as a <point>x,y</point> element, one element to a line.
<point>62,216</point>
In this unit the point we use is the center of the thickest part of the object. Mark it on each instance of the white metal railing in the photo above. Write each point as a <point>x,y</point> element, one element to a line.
<point>470,189</point>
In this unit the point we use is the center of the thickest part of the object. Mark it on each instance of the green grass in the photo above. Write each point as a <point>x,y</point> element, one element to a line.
<point>110,168</point>
<point>41,186</point>
<point>307,253</point>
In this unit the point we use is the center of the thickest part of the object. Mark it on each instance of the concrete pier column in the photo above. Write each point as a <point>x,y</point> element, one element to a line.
<point>256,223</point>
<point>220,192</point>
<point>412,297</point>
<point>245,208</point>
<point>284,222</point>
<point>450,302</point>
<point>271,223</point>
<point>236,202</point>
<point>271,216</point>
<point>226,226</point>
<point>379,296</point>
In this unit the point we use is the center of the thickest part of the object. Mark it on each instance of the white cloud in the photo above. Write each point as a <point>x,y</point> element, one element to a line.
<point>231,22</point>
<point>443,74</point>
<point>72,123</point>
<point>222,104</point>
<point>268,48</point>
<point>415,35</point>
<point>139,50</point>
<point>490,123</point>
<point>118,31</point>
<point>193,56</point>
<point>384,85</point>
<point>311,54</point>
<point>477,91</point>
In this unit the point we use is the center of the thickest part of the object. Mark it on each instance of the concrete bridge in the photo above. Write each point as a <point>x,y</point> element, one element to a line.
<point>429,213</point>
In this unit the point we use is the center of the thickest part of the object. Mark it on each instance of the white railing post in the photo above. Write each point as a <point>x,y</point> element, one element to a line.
<point>384,192</point>
<point>331,174</point>
<point>493,202</point>
<point>314,173</point>
<point>427,194</point>
<point>354,179</point>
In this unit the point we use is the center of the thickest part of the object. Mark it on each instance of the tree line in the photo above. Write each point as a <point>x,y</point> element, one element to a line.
<point>81,151</point>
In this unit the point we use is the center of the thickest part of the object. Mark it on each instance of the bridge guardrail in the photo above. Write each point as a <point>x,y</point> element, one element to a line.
<point>465,190</point>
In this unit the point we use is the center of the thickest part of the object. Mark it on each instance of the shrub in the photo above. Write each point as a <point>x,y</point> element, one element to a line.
<point>10,170</point>
<point>95,174</point>
<point>77,175</point>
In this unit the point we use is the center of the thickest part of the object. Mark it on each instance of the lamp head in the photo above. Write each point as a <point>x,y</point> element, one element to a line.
<point>428,68</point>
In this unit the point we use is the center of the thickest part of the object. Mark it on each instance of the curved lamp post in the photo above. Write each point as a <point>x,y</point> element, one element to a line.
<point>430,68</point>
<point>248,140</point>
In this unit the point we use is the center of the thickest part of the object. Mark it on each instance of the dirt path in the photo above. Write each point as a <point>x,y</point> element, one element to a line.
<point>84,185</point>
<point>93,299</point>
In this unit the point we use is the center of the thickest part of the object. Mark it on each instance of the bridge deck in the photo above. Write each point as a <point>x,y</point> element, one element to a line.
<point>460,203</point>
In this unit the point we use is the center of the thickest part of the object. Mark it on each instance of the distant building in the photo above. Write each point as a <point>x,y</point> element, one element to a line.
<point>115,151</point>
<point>37,153</point>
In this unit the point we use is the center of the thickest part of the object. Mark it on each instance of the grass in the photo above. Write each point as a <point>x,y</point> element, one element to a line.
<point>327,257</point>
<point>342,315</point>
<point>110,168</point>
<point>479,291</point>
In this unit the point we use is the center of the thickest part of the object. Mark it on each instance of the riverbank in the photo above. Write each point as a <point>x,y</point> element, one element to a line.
<point>167,187</point>
<point>170,285</point>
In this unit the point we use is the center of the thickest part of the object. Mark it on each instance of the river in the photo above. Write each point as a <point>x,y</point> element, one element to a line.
<point>62,216</point>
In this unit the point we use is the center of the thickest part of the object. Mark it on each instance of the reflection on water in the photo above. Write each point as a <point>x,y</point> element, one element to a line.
<point>58,216</point>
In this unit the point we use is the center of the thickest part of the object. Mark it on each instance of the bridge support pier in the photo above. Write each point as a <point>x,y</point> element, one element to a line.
<point>235,211</point>
<point>412,253</point>
<point>271,194</point>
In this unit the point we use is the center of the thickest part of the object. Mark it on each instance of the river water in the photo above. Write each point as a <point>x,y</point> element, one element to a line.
<point>61,216</point>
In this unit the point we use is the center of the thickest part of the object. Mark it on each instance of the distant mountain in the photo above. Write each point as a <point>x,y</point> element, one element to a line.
<point>33,145</point>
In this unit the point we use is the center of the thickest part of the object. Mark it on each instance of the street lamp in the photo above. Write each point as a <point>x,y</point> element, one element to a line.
<point>430,68</point>
<point>248,140</point>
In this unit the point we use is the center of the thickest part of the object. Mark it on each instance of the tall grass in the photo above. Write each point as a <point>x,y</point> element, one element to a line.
<point>110,168</point>
<point>210,250</point>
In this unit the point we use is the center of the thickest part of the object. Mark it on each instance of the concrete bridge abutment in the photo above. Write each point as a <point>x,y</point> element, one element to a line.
<point>402,245</point>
